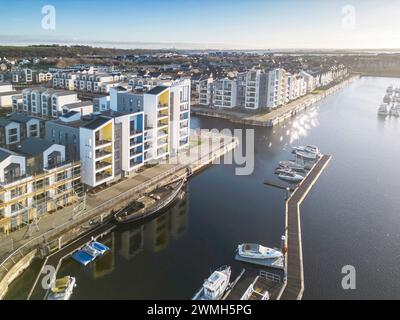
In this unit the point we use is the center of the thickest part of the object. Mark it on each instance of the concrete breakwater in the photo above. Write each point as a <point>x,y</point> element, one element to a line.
<point>276,116</point>
<point>61,227</point>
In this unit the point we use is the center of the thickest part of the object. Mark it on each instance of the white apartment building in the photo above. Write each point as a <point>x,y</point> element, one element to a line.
<point>205,87</point>
<point>97,151</point>
<point>85,81</point>
<point>180,115</point>
<point>156,107</point>
<point>277,88</point>
<point>225,93</point>
<point>252,89</point>
<point>46,102</point>
<point>43,77</point>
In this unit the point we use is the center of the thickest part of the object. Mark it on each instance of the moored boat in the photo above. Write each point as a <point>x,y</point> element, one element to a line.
<point>257,251</point>
<point>63,289</point>
<point>383,110</point>
<point>215,286</point>
<point>290,176</point>
<point>307,155</point>
<point>292,165</point>
<point>152,203</point>
<point>308,148</point>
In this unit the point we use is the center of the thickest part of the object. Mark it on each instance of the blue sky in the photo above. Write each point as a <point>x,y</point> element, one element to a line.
<point>258,24</point>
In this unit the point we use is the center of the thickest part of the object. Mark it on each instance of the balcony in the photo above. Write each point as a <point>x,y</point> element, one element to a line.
<point>101,165</point>
<point>102,153</point>
<point>102,176</point>
<point>162,106</point>
<point>162,115</point>
<point>134,132</point>
<point>162,124</point>
<point>102,143</point>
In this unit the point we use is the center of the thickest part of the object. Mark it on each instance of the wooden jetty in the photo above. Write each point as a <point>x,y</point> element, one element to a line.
<point>294,284</point>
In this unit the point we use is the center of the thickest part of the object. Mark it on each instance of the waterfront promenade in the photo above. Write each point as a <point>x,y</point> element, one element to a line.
<point>204,149</point>
<point>274,117</point>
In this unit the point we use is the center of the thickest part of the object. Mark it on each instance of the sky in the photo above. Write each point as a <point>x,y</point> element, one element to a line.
<point>205,24</point>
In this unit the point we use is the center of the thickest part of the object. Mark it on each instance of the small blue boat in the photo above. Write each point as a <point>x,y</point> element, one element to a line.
<point>90,252</point>
<point>83,257</point>
<point>99,247</point>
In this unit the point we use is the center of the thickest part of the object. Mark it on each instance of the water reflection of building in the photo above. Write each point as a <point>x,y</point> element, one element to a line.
<point>155,235</point>
<point>105,264</point>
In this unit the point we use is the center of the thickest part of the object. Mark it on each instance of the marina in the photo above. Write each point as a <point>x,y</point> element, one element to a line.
<point>189,244</point>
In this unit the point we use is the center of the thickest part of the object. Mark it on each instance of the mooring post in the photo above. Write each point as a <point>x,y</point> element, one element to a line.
<point>287,193</point>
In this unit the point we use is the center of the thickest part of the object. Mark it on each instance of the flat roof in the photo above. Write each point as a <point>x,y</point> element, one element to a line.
<point>8,93</point>
<point>97,122</point>
<point>157,90</point>
<point>78,104</point>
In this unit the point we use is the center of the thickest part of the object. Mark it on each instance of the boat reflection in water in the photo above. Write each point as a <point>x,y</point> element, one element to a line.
<point>152,235</point>
<point>155,234</point>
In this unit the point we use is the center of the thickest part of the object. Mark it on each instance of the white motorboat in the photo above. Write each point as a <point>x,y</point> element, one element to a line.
<point>215,286</point>
<point>284,170</point>
<point>307,148</point>
<point>256,251</point>
<point>290,176</point>
<point>307,155</point>
<point>292,165</point>
<point>383,109</point>
<point>63,289</point>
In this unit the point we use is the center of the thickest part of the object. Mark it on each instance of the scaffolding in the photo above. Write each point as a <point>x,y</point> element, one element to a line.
<point>48,197</point>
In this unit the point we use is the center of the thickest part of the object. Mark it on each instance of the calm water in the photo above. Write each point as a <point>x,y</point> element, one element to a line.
<point>351,217</point>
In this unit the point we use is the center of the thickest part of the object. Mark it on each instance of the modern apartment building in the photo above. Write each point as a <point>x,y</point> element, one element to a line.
<point>97,151</point>
<point>180,115</point>
<point>18,127</point>
<point>277,88</point>
<point>6,94</point>
<point>225,93</point>
<point>252,89</point>
<point>34,181</point>
<point>84,81</point>
<point>44,102</point>
<point>205,91</point>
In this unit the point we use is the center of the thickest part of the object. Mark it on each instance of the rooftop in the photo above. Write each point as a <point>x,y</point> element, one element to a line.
<point>34,146</point>
<point>157,90</point>
<point>97,122</point>
<point>4,154</point>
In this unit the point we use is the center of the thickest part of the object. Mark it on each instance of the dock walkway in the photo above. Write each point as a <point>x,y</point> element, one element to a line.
<point>293,290</point>
<point>54,260</point>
